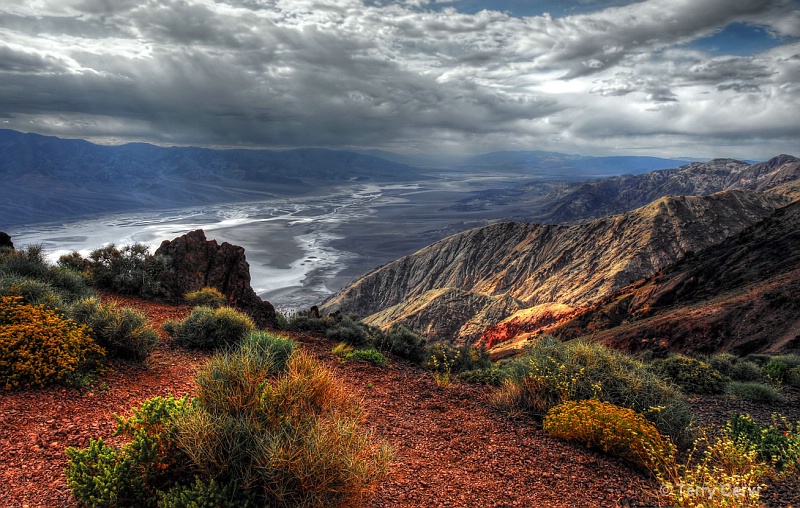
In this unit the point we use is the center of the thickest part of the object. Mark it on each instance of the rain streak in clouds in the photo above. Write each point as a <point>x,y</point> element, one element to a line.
<point>409,76</point>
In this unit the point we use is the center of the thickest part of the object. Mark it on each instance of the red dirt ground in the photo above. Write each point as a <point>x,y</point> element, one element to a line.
<point>451,448</point>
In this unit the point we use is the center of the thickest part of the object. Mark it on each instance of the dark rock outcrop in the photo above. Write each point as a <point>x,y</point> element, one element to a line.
<point>5,241</point>
<point>198,262</point>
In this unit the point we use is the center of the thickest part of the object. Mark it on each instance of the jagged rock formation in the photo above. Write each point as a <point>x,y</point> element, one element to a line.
<point>740,295</point>
<point>536,264</point>
<point>198,263</point>
<point>5,241</point>
<point>598,198</point>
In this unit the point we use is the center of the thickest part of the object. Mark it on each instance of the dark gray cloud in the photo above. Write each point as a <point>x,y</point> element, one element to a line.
<point>401,75</point>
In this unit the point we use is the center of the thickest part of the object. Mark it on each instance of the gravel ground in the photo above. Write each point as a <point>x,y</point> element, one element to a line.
<point>451,448</point>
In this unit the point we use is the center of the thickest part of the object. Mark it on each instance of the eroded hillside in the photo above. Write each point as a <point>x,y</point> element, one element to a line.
<point>470,281</point>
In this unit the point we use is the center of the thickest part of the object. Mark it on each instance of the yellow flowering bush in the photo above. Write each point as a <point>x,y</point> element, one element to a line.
<point>38,346</point>
<point>729,474</point>
<point>615,430</point>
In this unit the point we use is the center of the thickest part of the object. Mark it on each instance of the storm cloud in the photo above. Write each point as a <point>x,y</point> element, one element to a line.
<point>403,75</point>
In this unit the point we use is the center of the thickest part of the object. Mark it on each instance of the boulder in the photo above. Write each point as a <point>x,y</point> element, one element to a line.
<point>198,262</point>
<point>5,241</point>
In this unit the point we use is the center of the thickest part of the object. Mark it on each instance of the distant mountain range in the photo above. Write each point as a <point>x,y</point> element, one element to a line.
<point>47,178</point>
<point>561,202</point>
<point>550,165</point>
<point>463,285</point>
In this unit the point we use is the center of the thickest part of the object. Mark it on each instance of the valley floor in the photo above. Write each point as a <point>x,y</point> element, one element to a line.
<point>451,448</point>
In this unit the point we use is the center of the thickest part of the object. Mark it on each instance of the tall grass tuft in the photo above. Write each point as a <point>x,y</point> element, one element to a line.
<point>294,438</point>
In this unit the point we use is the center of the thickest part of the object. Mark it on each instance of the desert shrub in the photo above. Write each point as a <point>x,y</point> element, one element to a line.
<point>722,363</point>
<point>367,355</point>
<point>205,297</point>
<point>209,494</point>
<point>753,392</point>
<point>26,273</point>
<point>691,374</point>
<point>293,439</point>
<point>492,376</point>
<point>615,430</point>
<point>759,359</point>
<point>728,474</point>
<point>442,355</point>
<point>308,322</point>
<point>39,346</point>
<point>208,329</point>
<point>32,291</point>
<point>73,261</point>
<point>777,443</point>
<point>128,270</point>
<point>133,474</point>
<point>27,262</point>
<point>745,370</point>
<point>775,371</point>
<point>349,331</point>
<point>402,342</point>
<point>551,372</point>
<point>793,376</point>
<point>122,332</point>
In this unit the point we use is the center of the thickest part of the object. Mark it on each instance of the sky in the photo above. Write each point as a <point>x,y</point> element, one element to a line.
<point>697,78</point>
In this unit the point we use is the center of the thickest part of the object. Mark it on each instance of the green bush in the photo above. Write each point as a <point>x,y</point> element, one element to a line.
<point>722,363</point>
<point>349,331</point>
<point>745,370</point>
<point>209,329</point>
<point>753,392</point>
<point>209,494</point>
<point>402,342</point>
<point>307,322</point>
<point>775,371</point>
<point>26,262</point>
<point>294,439</point>
<point>128,270</point>
<point>552,372</point>
<point>205,297</point>
<point>133,474</point>
<point>691,374</point>
<point>793,377</point>
<point>122,332</point>
<point>492,376</point>
<point>32,291</point>
<point>444,356</point>
<point>367,355</point>
<point>73,261</point>
<point>26,273</point>
<point>778,443</point>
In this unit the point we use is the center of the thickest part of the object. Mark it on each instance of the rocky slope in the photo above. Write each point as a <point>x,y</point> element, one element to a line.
<point>618,194</point>
<point>536,264</point>
<point>740,295</point>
